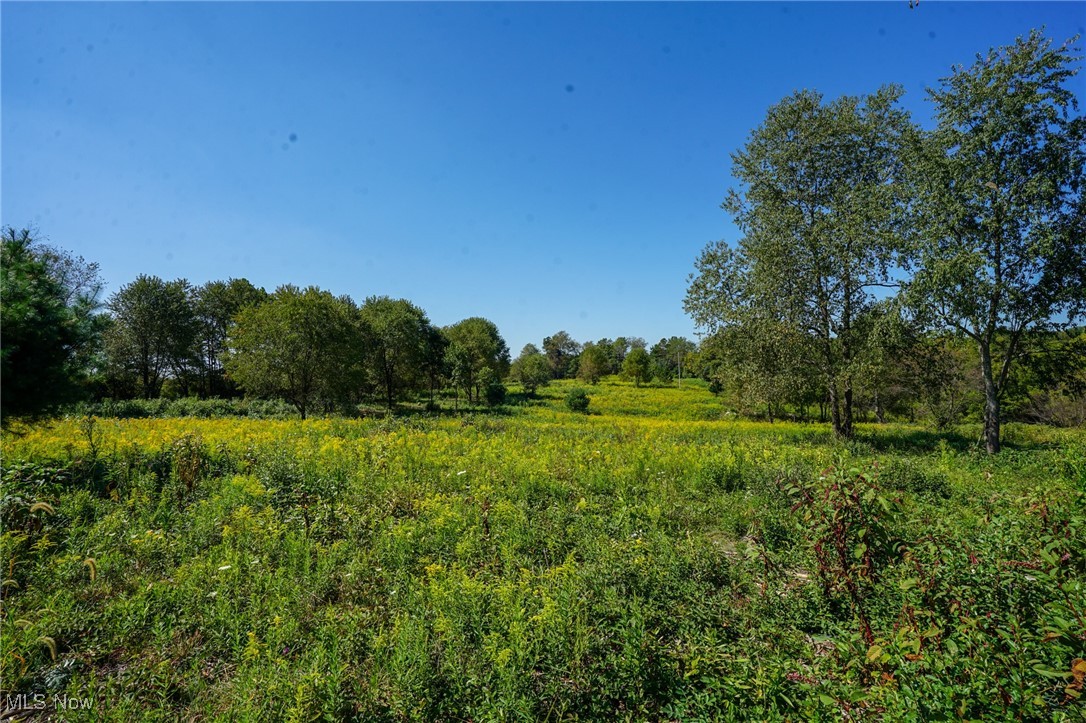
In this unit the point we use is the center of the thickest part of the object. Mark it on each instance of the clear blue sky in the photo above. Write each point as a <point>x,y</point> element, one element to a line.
<point>548,166</point>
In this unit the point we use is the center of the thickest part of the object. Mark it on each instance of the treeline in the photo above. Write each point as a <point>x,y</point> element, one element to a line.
<point>909,375</point>
<point>155,346</point>
<point>170,340</point>
<point>563,357</point>
<point>307,346</point>
<point>874,250</point>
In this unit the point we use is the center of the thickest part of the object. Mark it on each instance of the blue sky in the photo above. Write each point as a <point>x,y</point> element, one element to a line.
<point>545,165</point>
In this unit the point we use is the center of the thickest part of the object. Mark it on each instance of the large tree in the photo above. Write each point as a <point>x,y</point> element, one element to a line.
<point>637,365</point>
<point>475,345</point>
<point>48,301</point>
<point>398,334</point>
<point>819,207</point>
<point>531,369</point>
<point>1000,207</point>
<point>302,345</point>
<point>215,304</point>
<point>561,349</point>
<point>153,334</point>
<point>593,363</point>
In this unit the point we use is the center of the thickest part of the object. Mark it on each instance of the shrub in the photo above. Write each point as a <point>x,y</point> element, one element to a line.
<point>577,400</point>
<point>495,393</point>
<point>910,477</point>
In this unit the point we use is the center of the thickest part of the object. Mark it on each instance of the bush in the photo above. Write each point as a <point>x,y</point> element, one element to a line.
<point>722,472</point>
<point>577,400</point>
<point>910,477</point>
<point>186,407</point>
<point>495,393</point>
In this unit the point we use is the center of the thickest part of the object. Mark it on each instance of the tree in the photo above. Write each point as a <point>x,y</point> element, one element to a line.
<point>560,349</point>
<point>762,362</point>
<point>820,210</point>
<point>619,348</point>
<point>398,334</point>
<point>637,366</point>
<point>215,304</point>
<point>531,369</point>
<point>434,363</point>
<point>1000,207</point>
<point>668,356</point>
<point>474,345</point>
<point>154,332</point>
<point>593,364</point>
<point>48,301</point>
<point>303,346</point>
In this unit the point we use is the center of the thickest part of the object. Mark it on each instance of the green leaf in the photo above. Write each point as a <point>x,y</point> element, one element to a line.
<point>1050,672</point>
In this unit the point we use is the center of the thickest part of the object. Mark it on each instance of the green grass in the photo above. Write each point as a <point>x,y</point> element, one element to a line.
<point>647,561</point>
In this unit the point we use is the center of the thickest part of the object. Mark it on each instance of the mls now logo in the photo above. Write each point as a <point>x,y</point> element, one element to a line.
<point>25,701</point>
<point>40,701</point>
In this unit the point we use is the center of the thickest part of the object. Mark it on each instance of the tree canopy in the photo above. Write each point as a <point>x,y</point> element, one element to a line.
<point>48,301</point>
<point>302,345</point>
<point>819,205</point>
<point>1000,207</point>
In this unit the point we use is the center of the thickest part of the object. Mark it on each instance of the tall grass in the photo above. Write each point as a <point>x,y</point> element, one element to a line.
<point>647,561</point>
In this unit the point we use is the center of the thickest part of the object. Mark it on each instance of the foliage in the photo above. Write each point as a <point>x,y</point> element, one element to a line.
<point>531,370</point>
<point>637,366</point>
<point>593,363</point>
<point>302,345</point>
<point>849,524</point>
<point>634,563</point>
<point>398,333</point>
<point>152,334</point>
<point>215,305</point>
<point>561,349</point>
<point>494,392</point>
<point>819,208</point>
<point>474,345</point>
<point>47,304</point>
<point>762,362</point>
<point>577,400</point>
<point>1000,206</point>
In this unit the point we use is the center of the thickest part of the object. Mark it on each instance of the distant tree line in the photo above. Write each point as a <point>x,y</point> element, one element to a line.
<point>155,338</point>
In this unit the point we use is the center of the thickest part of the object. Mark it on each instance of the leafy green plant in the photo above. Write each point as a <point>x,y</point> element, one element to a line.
<point>577,400</point>
<point>849,524</point>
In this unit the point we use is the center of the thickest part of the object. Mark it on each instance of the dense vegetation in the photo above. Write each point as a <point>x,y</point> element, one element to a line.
<point>646,560</point>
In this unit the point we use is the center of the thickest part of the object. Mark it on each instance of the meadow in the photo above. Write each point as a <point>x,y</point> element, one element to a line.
<point>650,560</point>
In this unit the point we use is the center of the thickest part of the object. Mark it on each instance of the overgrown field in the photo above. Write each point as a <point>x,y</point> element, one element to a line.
<point>649,561</point>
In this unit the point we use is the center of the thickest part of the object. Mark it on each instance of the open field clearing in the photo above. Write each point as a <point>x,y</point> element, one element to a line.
<point>634,564</point>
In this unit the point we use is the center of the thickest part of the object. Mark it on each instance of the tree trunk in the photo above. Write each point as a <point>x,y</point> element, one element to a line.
<point>991,400</point>
<point>880,414</point>
<point>835,409</point>
<point>846,416</point>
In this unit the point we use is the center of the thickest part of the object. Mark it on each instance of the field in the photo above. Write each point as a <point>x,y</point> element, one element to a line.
<point>647,561</point>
